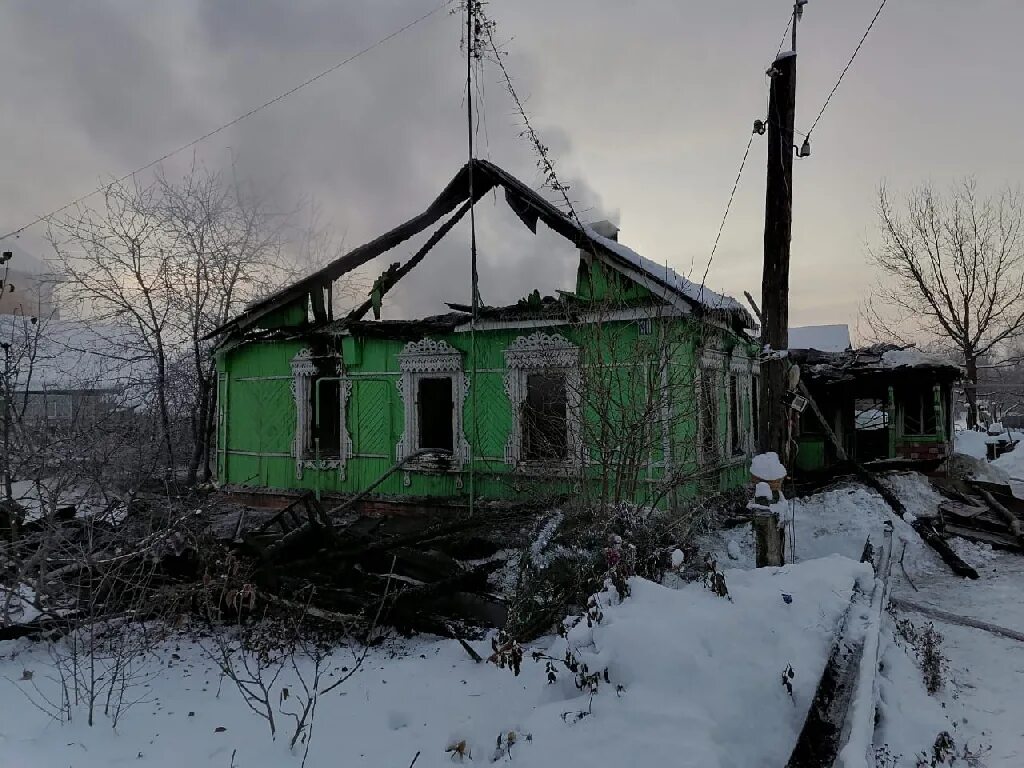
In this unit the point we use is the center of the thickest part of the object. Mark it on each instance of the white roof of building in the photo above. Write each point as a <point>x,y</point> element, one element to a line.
<point>71,355</point>
<point>824,338</point>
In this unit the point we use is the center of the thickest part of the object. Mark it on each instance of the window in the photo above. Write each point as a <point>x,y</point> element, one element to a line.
<point>919,413</point>
<point>321,440</point>
<point>870,414</point>
<point>545,434</point>
<point>735,416</point>
<point>755,410</point>
<point>543,382</point>
<point>708,415</point>
<point>434,405</point>
<point>325,432</point>
<point>433,390</point>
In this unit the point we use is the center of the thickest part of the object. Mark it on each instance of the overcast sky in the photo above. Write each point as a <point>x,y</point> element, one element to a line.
<point>646,107</point>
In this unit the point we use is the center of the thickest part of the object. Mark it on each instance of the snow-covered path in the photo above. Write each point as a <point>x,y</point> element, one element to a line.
<point>983,701</point>
<point>986,695</point>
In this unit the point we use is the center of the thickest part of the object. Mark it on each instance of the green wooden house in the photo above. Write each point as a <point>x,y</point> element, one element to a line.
<point>637,386</point>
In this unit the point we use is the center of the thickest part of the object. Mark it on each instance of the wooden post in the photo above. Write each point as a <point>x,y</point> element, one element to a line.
<point>769,540</point>
<point>778,225</point>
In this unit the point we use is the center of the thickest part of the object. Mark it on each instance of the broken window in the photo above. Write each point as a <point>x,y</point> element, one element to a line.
<point>433,391</point>
<point>326,431</point>
<point>435,405</point>
<point>321,400</point>
<point>919,413</point>
<point>870,414</point>
<point>545,413</point>
<point>543,382</point>
<point>735,415</point>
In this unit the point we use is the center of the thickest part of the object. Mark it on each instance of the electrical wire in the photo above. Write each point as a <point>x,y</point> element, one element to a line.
<point>728,207</point>
<point>785,33</point>
<point>847,67</point>
<point>736,183</point>
<point>235,121</point>
<point>471,7</point>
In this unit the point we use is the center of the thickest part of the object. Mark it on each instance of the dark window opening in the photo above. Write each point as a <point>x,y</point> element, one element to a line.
<point>435,408</point>
<point>326,397</point>
<point>545,418</point>
<point>919,413</point>
<point>734,416</point>
<point>808,424</point>
<point>755,412</point>
<point>708,417</point>
<point>871,425</point>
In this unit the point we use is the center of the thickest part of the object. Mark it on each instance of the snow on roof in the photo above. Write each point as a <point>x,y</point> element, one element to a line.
<point>700,294</point>
<point>71,354</point>
<point>824,338</point>
<point>912,357</point>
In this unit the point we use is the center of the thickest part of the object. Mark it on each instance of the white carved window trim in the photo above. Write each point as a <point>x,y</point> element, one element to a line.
<point>305,370</point>
<point>543,353</point>
<point>430,359</point>
<point>710,374</point>
<point>741,367</point>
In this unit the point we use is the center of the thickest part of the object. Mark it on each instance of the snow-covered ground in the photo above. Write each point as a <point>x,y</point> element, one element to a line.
<point>700,676</point>
<point>982,703</point>
<point>701,681</point>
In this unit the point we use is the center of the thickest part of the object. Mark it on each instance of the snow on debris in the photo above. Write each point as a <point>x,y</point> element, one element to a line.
<point>766,466</point>
<point>917,494</point>
<point>695,292</point>
<point>824,338</point>
<point>699,676</point>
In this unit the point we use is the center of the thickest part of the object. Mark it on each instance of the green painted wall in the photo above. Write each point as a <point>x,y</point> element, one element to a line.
<point>623,381</point>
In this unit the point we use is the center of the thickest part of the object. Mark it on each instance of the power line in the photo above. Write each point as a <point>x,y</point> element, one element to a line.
<point>785,34</point>
<point>739,175</point>
<point>728,207</point>
<point>235,121</point>
<point>848,65</point>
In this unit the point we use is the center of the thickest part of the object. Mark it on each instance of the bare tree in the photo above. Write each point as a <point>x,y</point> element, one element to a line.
<point>225,249</point>
<point>172,260</point>
<point>952,268</point>
<point>115,259</point>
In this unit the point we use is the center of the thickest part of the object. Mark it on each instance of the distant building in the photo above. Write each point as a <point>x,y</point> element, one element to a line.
<point>60,371</point>
<point>33,285</point>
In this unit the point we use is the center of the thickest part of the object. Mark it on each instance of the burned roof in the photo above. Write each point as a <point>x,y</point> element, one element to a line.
<point>876,360</point>
<point>530,207</point>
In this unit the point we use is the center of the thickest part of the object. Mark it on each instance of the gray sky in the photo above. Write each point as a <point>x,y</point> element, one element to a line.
<point>646,107</point>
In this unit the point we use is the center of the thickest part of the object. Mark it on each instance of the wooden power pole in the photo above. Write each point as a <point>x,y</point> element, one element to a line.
<point>778,225</point>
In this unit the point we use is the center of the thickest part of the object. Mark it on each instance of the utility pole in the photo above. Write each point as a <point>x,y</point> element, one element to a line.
<point>778,225</point>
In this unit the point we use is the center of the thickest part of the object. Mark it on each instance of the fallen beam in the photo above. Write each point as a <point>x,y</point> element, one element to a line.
<point>952,618</point>
<point>841,717</point>
<point>1012,523</point>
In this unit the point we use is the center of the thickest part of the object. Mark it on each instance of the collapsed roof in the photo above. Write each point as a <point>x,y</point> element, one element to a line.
<point>315,289</point>
<point>877,360</point>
